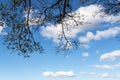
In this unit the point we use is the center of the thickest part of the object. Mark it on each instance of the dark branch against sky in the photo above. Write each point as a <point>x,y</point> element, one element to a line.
<point>18,15</point>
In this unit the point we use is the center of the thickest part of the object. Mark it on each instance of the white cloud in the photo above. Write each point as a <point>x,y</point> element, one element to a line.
<point>105,75</point>
<point>1,31</point>
<point>84,45</point>
<point>99,75</point>
<point>117,65</point>
<point>71,30</point>
<point>112,18</point>
<point>89,74</point>
<point>110,55</point>
<point>103,66</point>
<point>85,54</point>
<point>59,74</point>
<point>52,32</point>
<point>100,34</point>
<point>118,76</point>
<point>90,14</point>
<point>83,73</point>
<point>95,75</point>
<point>1,28</point>
<point>97,51</point>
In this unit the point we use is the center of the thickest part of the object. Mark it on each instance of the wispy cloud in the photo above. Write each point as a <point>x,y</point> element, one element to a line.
<point>110,55</point>
<point>103,66</point>
<point>105,75</point>
<point>97,51</point>
<point>95,75</point>
<point>85,54</point>
<point>106,66</point>
<point>83,73</point>
<point>59,74</point>
<point>117,76</point>
<point>89,74</point>
<point>117,65</point>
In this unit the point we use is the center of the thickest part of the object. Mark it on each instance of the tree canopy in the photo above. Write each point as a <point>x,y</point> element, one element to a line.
<point>21,17</point>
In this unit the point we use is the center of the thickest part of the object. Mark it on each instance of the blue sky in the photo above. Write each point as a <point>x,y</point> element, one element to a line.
<point>98,58</point>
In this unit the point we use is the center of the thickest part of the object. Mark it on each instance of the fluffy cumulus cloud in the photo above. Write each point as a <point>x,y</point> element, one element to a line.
<point>90,16</point>
<point>110,55</point>
<point>103,66</point>
<point>59,74</point>
<point>85,54</point>
<point>100,34</point>
<point>52,32</point>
